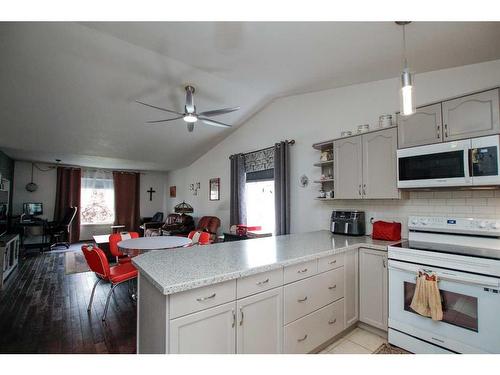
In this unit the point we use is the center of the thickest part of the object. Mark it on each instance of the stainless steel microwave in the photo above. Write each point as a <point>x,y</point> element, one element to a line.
<point>469,162</point>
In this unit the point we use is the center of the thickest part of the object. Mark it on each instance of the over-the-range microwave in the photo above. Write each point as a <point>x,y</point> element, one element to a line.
<point>468,162</point>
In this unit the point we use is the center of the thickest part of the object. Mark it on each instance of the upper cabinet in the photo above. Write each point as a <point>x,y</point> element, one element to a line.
<point>379,165</point>
<point>471,116</point>
<point>422,128</point>
<point>347,170</point>
<point>365,166</point>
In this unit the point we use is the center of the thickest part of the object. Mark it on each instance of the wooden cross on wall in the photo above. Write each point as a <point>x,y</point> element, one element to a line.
<point>150,192</point>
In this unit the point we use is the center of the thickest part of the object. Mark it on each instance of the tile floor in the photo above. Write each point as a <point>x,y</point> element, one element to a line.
<point>359,341</point>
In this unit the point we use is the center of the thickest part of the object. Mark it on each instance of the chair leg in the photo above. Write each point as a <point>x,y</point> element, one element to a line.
<point>92,295</point>
<point>107,301</point>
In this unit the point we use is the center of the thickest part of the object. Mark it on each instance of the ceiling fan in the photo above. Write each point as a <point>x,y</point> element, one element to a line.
<point>190,116</point>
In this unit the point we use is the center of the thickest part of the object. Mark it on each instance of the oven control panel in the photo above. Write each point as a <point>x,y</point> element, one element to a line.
<point>449,224</point>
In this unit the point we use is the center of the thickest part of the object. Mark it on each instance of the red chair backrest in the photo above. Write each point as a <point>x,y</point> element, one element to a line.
<point>96,260</point>
<point>117,237</point>
<point>202,238</point>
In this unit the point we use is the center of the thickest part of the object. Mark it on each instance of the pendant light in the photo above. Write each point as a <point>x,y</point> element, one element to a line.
<point>407,93</point>
<point>31,186</point>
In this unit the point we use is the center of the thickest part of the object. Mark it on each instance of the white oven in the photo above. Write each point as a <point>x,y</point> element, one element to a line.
<point>464,253</point>
<point>471,308</point>
<point>469,162</point>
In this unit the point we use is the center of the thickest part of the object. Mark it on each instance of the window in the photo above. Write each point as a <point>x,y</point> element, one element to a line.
<point>97,198</point>
<point>260,204</point>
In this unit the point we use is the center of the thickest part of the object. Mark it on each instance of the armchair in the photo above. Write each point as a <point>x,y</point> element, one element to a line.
<point>175,224</point>
<point>154,222</point>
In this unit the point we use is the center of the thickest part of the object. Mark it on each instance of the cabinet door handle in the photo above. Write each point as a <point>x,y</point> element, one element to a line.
<point>383,262</point>
<point>205,298</point>
<point>234,318</point>
<point>333,261</point>
<point>364,189</point>
<point>446,130</point>
<point>262,282</point>
<point>332,321</point>
<point>303,299</point>
<point>302,271</point>
<point>332,287</point>
<point>438,133</point>
<point>302,339</point>
<point>359,189</point>
<point>241,319</point>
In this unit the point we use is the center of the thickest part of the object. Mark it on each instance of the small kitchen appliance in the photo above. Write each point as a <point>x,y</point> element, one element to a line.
<point>347,222</point>
<point>464,254</point>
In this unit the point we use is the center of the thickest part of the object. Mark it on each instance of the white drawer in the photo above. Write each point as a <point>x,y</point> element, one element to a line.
<point>330,262</point>
<point>305,296</point>
<point>300,271</point>
<point>193,300</point>
<point>258,283</point>
<point>311,331</point>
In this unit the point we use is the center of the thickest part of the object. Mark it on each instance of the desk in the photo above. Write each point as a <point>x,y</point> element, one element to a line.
<point>33,241</point>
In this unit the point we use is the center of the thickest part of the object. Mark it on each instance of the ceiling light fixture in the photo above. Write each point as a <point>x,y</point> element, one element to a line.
<point>189,117</point>
<point>407,94</point>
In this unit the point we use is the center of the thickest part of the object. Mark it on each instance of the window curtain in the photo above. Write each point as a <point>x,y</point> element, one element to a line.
<point>68,190</point>
<point>127,195</point>
<point>97,209</point>
<point>237,198</point>
<point>282,187</point>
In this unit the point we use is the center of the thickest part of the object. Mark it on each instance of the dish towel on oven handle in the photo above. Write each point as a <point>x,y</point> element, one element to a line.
<point>427,298</point>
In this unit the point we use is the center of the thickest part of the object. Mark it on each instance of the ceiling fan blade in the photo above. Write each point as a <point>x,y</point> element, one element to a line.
<point>217,112</point>
<point>168,119</point>
<point>161,109</point>
<point>189,99</point>
<point>213,122</point>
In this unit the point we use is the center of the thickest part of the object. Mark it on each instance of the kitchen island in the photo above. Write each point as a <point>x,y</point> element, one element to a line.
<point>254,296</point>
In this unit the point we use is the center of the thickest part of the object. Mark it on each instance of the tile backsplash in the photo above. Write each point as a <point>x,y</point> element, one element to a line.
<point>460,203</point>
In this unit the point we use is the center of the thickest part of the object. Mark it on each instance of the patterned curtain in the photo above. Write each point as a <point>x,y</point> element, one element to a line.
<point>259,160</point>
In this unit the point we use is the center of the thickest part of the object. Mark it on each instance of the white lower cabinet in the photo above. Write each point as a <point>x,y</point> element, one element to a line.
<point>314,329</point>
<point>351,286</point>
<point>373,288</point>
<point>260,323</point>
<point>211,331</point>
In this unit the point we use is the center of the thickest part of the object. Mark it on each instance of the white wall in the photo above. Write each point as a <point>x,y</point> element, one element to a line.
<point>318,116</point>
<point>46,194</point>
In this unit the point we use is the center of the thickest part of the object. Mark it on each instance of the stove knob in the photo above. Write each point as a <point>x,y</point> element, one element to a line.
<point>423,222</point>
<point>495,225</point>
<point>482,224</point>
<point>414,221</point>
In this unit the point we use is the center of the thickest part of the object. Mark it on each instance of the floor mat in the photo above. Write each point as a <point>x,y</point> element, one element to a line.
<point>389,349</point>
<point>74,262</point>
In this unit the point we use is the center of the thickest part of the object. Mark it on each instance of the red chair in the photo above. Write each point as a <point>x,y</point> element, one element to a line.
<point>116,275</point>
<point>113,245</point>
<point>200,238</point>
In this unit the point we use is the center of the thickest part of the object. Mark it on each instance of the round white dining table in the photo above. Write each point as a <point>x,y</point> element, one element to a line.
<point>142,244</point>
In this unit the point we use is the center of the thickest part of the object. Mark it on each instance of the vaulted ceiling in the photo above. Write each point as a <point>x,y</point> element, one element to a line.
<point>68,89</point>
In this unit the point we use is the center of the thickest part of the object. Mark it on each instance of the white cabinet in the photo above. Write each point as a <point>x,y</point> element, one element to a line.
<point>260,323</point>
<point>351,287</point>
<point>9,256</point>
<point>379,165</point>
<point>471,116</point>
<point>348,168</point>
<point>211,331</point>
<point>365,166</point>
<point>424,127</point>
<point>373,288</point>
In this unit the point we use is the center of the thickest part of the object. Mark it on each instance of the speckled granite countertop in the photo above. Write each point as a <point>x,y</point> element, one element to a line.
<point>177,270</point>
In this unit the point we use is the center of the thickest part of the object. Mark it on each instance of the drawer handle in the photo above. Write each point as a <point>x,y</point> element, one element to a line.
<point>303,299</point>
<point>302,271</point>
<point>332,321</point>
<point>263,281</point>
<point>205,298</point>
<point>302,339</point>
<point>332,287</point>
<point>333,261</point>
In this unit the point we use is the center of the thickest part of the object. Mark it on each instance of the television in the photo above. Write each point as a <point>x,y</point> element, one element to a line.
<point>33,209</point>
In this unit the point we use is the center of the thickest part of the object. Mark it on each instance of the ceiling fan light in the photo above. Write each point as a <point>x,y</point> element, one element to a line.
<point>190,118</point>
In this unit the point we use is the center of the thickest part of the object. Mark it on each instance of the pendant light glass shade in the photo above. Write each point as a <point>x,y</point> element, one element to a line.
<point>407,94</point>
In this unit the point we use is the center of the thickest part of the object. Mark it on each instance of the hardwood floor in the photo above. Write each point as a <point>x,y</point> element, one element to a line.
<point>43,310</point>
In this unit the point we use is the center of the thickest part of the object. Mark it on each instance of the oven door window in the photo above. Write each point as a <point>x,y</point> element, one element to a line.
<point>484,161</point>
<point>425,167</point>
<point>458,309</point>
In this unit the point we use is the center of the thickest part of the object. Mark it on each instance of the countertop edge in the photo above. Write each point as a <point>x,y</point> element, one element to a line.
<point>199,283</point>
